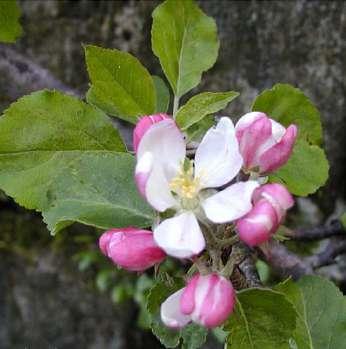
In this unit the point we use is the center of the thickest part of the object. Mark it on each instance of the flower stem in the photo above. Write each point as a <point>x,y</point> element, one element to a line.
<point>201,267</point>
<point>228,242</point>
<point>235,258</point>
<point>175,106</point>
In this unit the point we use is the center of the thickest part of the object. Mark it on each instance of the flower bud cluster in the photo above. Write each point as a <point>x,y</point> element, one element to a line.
<point>223,184</point>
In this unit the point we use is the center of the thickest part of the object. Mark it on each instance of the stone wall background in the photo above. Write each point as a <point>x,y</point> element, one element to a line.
<point>46,303</point>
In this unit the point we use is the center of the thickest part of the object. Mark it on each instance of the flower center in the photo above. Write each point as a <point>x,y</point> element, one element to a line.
<point>185,184</point>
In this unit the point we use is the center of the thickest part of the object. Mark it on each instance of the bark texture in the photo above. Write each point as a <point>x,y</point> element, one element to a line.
<point>46,303</point>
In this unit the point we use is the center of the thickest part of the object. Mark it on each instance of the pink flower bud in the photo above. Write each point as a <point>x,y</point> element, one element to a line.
<point>278,154</point>
<point>271,201</point>
<point>209,300</point>
<point>277,195</point>
<point>130,248</point>
<point>258,225</point>
<point>265,145</point>
<point>143,125</point>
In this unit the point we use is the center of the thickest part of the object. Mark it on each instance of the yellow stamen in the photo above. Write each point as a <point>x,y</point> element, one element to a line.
<point>184,184</point>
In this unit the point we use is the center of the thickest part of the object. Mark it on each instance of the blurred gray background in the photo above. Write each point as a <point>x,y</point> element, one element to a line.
<point>45,302</point>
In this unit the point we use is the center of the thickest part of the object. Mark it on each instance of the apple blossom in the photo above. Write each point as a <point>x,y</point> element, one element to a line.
<point>130,248</point>
<point>207,300</point>
<point>264,143</point>
<point>170,181</point>
<point>270,204</point>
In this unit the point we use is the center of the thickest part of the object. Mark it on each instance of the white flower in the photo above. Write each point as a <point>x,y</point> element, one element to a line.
<point>168,180</point>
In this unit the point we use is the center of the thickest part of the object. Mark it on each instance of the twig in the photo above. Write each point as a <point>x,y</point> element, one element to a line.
<point>19,75</point>
<point>249,270</point>
<point>285,262</point>
<point>335,247</point>
<point>335,228</point>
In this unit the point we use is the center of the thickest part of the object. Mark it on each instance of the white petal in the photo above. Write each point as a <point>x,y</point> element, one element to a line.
<point>277,130</point>
<point>171,315</point>
<point>230,203</point>
<point>157,190</point>
<point>166,143</point>
<point>180,236</point>
<point>218,159</point>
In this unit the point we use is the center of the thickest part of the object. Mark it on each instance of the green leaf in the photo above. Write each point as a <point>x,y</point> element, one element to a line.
<point>185,41</point>
<point>196,132</point>
<point>262,319</point>
<point>64,158</point>
<point>321,309</point>
<point>194,336</point>
<point>343,220</point>
<point>10,28</point>
<point>156,296</point>
<point>162,95</point>
<point>202,105</point>
<point>306,170</point>
<point>121,85</point>
<point>168,337</point>
<point>288,105</point>
<point>159,292</point>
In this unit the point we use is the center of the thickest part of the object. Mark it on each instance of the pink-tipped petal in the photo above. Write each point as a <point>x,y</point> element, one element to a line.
<point>259,224</point>
<point>143,169</point>
<point>277,195</point>
<point>152,183</point>
<point>130,248</point>
<point>278,154</point>
<point>264,143</point>
<point>246,120</point>
<point>187,300</point>
<point>253,138</point>
<point>166,143</point>
<point>143,125</point>
<point>104,241</point>
<point>219,303</point>
<point>209,299</point>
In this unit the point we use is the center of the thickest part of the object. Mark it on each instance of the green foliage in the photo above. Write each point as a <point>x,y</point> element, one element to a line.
<point>321,309</point>
<point>196,132</point>
<point>121,86</point>
<point>157,295</point>
<point>288,105</point>
<point>202,105</point>
<point>343,220</point>
<point>306,170</point>
<point>263,270</point>
<point>194,336</point>
<point>191,336</point>
<point>162,95</point>
<point>10,28</point>
<point>262,319</point>
<point>63,157</point>
<point>159,292</point>
<point>185,41</point>
<point>170,338</point>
